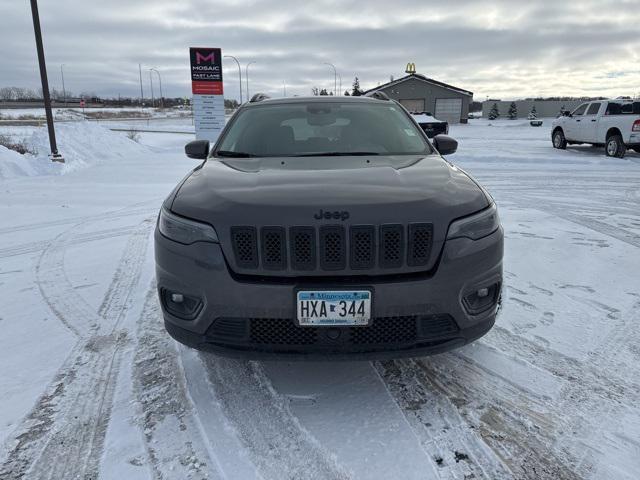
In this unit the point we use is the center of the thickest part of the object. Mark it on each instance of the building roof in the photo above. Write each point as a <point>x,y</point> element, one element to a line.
<point>422,78</point>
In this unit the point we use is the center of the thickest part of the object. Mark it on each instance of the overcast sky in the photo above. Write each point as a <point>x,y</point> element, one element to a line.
<point>501,49</point>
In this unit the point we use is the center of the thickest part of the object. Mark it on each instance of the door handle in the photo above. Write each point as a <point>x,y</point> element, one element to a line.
<point>578,120</point>
<point>594,120</point>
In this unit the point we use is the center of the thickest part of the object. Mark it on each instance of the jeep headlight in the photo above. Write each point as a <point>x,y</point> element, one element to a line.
<point>183,230</point>
<point>477,225</point>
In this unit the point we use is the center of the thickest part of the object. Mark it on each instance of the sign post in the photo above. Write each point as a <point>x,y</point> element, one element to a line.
<point>207,89</point>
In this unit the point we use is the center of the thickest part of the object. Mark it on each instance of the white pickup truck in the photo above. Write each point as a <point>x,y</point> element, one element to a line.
<point>612,123</point>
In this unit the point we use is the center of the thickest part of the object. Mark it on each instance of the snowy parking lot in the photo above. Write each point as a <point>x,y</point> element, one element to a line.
<point>91,385</point>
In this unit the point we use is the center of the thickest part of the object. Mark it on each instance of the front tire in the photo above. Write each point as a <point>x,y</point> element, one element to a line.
<point>615,146</point>
<point>637,149</point>
<point>558,139</point>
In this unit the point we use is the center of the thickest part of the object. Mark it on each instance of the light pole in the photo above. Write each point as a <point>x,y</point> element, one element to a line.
<point>340,80</point>
<point>64,91</point>
<point>239,74</point>
<point>247,78</point>
<point>55,156</point>
<point>153,100</point>
<point>141,91</point>
<point>335,76</point>
<point>160,80</point>
<point>284,87</point>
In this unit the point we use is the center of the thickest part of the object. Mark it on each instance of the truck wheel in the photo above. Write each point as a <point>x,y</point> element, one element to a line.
<point>558,140</point>
<point>615,146</point>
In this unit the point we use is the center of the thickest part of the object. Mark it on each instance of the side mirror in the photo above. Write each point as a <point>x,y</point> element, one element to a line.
<point>198,149</point>
<point>445,144</point>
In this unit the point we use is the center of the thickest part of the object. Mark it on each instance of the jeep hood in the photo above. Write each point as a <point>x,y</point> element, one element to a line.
<point>290,191</point>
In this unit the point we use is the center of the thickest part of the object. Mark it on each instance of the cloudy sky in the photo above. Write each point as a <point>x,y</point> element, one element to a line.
<point>501,48</point>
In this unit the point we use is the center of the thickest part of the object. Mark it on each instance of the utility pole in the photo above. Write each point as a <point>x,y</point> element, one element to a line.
<point>153,100</point>
<point>55,156</point>
<point>64,91</point>
<point>335,76</point>
<point>141,91</point>
<point>247,78</point>
<point>160,80</point>
<point>284,87</point>
<point>239,74</point>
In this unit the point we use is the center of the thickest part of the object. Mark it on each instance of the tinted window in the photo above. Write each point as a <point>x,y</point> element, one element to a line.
<point>317,128</point>
<point>580,110</point>
<point>593,109</point>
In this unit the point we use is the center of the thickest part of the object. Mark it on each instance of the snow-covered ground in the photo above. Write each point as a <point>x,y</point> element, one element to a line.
<point>90,385</point>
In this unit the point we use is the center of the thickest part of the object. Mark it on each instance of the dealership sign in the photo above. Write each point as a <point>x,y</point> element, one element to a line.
<point>208,97</point>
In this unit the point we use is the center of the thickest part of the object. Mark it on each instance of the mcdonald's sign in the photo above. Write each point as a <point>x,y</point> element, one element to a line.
<point>411,68</point>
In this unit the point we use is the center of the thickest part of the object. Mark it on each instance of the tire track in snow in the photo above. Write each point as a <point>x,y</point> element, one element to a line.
<point>455,448</point>
<point>174,446</point>
<point>517,425</point>
<point>63,435</point>
<point>278,445</point>
<point>131,210</point>
<point>32,247</point>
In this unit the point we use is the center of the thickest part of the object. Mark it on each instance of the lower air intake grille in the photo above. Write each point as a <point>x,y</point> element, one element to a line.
<point>280,331</point>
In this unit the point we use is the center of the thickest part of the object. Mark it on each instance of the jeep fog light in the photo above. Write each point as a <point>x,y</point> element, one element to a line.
<point>180,305</point>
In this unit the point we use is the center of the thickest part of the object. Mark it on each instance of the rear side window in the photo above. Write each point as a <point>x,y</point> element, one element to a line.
<point>593,109</point>
<point>580,110</point>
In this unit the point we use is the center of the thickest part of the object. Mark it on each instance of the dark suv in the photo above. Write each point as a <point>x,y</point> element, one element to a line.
<point>326,227</point>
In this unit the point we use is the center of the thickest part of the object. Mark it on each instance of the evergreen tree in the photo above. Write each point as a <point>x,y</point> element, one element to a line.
<point>513,111</point>
<point>324,92</point>
<point>346,93</point>
<point>533,114</point>
<point>494,112</point>
<point>356,91</point>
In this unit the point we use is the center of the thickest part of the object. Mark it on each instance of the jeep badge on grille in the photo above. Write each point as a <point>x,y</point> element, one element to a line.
<point>327,215</point>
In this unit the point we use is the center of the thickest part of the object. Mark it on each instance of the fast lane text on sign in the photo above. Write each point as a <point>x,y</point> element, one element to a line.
<point>208,92</point>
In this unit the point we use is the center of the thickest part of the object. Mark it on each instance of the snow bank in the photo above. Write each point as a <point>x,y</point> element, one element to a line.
<point>81,143</point>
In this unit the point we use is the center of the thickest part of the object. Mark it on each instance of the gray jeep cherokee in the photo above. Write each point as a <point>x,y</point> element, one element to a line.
<point>327,227</point>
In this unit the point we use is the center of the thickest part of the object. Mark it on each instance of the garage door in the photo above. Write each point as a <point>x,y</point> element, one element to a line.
<point>449,109</point>
<point>413,104</point>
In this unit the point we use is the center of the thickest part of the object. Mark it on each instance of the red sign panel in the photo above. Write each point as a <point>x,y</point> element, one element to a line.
<point>206,87</point>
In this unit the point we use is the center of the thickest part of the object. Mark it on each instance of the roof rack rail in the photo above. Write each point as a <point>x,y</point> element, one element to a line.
<point>378,95</point>
<point>258,97</point>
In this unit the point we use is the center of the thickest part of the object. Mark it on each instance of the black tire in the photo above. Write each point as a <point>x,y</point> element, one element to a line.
<point>558,139</point>
<point>615,146</point>
<point>637,149</point>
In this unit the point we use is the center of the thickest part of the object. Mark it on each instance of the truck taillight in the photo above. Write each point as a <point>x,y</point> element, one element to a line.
<point>636,126</point>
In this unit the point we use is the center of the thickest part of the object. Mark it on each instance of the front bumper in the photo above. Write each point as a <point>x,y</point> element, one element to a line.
<point>249,317</point>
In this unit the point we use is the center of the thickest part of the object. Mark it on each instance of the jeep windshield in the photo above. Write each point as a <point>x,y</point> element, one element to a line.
<point>322,129</point>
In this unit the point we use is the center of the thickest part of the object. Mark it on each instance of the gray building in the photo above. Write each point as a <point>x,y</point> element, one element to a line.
<point>421,94</point>
<point>544,108</point>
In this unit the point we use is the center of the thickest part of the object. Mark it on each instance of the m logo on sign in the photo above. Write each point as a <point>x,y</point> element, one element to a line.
<point>204,58</point>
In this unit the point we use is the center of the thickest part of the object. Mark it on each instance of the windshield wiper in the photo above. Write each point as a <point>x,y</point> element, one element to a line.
<point>229,153</point>
<point>336,154</point>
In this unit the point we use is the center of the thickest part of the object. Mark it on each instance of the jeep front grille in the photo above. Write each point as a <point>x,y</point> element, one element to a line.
<point>332,247</point>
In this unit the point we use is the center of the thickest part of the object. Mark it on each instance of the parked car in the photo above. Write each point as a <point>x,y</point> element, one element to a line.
<point>327,227</point>
<point>431,125</point>
<point>612,123</point>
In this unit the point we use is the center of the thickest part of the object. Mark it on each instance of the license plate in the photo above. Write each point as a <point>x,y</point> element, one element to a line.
<point>333,307</point>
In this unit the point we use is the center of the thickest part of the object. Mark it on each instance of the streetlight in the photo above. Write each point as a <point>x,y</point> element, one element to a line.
<point>335,76</point>
<point>160,80</point>
<point>239,74</point>
<point>64,91</point>
<point>284,87</point>
<point>55,156</point>
<point>153,100</point>
<point>247,78</point>
<point>340,80</point>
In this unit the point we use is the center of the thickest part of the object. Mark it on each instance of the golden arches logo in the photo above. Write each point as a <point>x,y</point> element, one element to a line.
<point>411,68</point>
